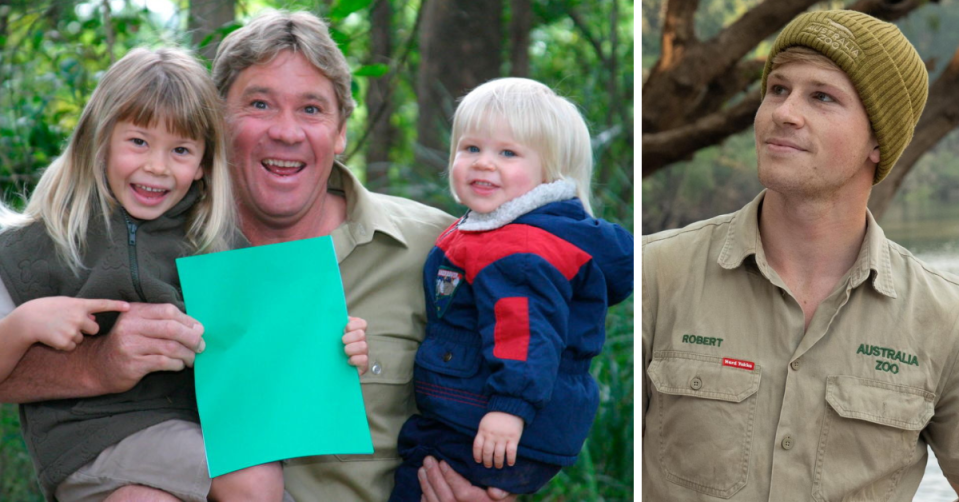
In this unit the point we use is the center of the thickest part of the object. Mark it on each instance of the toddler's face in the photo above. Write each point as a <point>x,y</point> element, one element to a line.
<point>150,169</point>
<point>489,170</point>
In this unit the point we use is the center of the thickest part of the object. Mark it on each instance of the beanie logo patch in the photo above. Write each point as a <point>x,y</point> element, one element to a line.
<point>836,36</point>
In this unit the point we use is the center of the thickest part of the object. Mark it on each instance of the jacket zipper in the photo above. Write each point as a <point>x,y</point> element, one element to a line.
<point>134,268</point>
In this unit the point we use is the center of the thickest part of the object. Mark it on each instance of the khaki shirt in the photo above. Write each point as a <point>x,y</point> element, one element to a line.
<point>741,403</point>
<point>381,249</point>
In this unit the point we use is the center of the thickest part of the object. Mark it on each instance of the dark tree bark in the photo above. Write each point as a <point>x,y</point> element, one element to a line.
<point>520,24</point>
<point>686,98</point>
<point>460,48</point>
<point>207,16</point>
<point>379,100</point>
<point>939,118</point>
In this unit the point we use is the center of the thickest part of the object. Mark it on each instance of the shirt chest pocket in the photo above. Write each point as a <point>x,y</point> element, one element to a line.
<point>869,435</point>
<point>704,414</point>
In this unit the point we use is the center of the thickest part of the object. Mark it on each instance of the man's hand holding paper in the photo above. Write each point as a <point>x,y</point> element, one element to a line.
<point>273,383</point>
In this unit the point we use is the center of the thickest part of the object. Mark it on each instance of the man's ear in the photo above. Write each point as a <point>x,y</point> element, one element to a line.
<point>874,155</point>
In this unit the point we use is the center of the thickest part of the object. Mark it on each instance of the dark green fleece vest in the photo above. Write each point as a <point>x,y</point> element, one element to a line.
<point>133,261</point>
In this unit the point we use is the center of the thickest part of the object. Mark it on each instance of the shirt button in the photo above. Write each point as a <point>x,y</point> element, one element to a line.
<point>376,369</point>
<point>447,357</point>
<point>794,365</point>
<point>696,383</point>
<point>788,443</point>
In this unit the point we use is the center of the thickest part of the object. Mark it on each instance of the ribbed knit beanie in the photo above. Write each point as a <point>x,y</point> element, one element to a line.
<point>882,64</point>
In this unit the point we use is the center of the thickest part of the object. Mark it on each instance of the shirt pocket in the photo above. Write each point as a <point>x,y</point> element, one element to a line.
<point>869,435</point>
<point>706,414</point>
<point>387,396</point>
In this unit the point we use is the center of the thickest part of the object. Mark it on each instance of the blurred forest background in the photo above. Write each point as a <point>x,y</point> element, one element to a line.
<point>701,64</point>
<point>412,59</point>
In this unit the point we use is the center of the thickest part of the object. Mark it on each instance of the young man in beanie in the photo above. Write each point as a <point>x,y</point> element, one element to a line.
<point>791,352</point>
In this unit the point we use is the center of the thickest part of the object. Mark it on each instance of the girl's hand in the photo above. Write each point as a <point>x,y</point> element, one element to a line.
<point>354,342</point>
<point>60,321</point>
<point>497,437</point>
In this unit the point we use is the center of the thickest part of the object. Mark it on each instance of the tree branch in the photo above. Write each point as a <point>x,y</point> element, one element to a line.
<point>677,84</point>
<point>738,39</point>
<point>679,33</point>
<point>727,86</point>
<point>661,149</point>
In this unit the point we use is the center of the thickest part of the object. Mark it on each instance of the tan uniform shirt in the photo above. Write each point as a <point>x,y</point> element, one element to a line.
<point>741,403</point>
<point>381,249</point>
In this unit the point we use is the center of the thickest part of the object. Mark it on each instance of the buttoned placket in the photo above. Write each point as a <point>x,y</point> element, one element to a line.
<point>796,446</point>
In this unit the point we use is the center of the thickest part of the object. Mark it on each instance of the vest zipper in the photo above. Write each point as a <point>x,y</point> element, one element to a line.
<point>134,268</point>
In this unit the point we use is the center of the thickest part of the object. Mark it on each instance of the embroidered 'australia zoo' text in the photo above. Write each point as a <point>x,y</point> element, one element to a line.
<point>888,353</point>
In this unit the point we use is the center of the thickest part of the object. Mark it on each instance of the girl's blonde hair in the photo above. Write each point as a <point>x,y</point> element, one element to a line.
<point>144,87</point>
<point>538,118</point>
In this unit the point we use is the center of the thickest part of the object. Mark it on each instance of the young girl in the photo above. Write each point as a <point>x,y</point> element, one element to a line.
<point>144,180</point>
<point>517,292</point>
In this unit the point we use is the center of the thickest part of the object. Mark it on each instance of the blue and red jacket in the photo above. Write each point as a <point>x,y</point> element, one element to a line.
<point>515,315</point>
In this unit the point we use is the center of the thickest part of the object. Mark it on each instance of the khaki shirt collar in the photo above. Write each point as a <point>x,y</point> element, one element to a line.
<point>743,241</point>
<point>363,215</point>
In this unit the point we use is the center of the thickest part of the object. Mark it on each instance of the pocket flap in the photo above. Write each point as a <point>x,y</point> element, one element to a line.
<point>391,360</point>
<point>688,374</point>
<point>882,403</point>
<point>449,358</point>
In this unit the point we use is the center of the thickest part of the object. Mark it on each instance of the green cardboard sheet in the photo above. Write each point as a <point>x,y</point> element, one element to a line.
<point>273,382</point>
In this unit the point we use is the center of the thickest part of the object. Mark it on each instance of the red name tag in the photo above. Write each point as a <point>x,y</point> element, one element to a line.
<point>736,363</point>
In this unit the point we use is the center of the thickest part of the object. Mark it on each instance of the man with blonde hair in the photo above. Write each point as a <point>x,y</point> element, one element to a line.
<point>790,351</point>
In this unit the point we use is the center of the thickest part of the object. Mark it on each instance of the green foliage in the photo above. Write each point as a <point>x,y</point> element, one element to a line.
<point>371,70</point>
<point>16,470</point>
<point>344,8</point>
<point>50,62</point>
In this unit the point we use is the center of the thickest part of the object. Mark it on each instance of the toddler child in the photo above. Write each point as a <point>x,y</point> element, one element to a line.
<point>144,180</point>
<point>517,292</point>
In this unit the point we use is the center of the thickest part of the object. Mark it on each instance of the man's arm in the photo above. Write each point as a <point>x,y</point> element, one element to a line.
<point>145,339</point>
<point>648,319</point>
<point>942,431</point>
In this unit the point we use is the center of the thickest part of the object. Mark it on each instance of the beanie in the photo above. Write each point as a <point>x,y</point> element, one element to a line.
<point>884,67</point>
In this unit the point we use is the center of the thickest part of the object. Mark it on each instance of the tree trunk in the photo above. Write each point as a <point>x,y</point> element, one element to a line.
<point>207,16</point>
<point>939,118</point>
<point>379,102</point>
<point>460,48</point>
<point>520,24</point>
<point>108,29</point>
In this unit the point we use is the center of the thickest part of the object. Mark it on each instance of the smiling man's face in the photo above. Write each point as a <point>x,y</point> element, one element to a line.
<point>812,132</point>
<point>286,130</point>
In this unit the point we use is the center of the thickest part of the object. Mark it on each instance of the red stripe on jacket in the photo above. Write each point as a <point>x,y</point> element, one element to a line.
<point>480,249</point>
<point>511,332</point>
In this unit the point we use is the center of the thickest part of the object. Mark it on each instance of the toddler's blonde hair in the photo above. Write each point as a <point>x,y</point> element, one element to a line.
<point>538,118</point>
